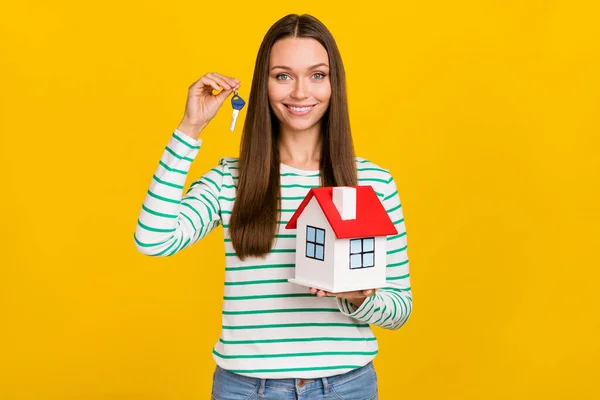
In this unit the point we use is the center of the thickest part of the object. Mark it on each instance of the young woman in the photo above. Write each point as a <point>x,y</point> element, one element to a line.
<point>278,339</point>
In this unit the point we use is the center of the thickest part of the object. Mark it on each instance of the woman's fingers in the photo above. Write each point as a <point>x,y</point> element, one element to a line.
<point>347,295</point>
<point>233,82</point>
<point>217,82</point>
<point>207,81</point>
<point>318,292</point>
<point>225,82</point>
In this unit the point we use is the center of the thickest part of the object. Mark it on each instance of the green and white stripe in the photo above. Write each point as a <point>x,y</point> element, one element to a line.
<point>272,328</point>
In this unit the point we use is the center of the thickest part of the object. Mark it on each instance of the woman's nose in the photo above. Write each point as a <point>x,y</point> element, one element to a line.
<point>300,90</point>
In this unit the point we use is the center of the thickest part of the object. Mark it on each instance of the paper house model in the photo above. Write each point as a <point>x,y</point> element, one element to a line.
<point>341,236</point>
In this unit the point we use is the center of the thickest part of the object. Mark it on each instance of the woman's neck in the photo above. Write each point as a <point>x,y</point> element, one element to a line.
<point>301,149</point>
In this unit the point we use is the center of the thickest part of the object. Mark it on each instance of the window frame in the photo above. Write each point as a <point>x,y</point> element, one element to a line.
<point>361,252</point>
<point>315,243</point>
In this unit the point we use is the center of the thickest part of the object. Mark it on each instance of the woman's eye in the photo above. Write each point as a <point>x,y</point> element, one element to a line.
<point>280,76</point>
<point>319,74</point>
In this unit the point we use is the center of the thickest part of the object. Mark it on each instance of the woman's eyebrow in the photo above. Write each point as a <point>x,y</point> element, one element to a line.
<point>309,68</point>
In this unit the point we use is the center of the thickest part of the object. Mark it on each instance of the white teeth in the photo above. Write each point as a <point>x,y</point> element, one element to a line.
<point>300,109</point>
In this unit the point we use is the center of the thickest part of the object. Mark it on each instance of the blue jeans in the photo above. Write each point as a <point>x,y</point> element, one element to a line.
<point>358,384</point>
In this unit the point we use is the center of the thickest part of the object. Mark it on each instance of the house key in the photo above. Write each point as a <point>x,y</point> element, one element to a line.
<point>237,103</point>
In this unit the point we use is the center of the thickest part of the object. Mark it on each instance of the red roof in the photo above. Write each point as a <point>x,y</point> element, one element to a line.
<point>371,217</point>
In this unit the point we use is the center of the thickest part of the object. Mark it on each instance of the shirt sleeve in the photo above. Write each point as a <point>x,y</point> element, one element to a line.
<point>170,221</point>
<point>390,306</point>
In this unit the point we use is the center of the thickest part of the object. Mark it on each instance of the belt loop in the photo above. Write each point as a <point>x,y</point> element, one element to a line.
<point>261,390</point>
<point>325,387</point>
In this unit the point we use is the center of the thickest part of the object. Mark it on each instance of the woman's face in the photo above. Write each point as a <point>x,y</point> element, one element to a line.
<point>299,86</point>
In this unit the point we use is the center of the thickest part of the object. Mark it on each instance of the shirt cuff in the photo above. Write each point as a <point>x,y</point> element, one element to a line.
<point>187,139</point>
<point>349,309</point>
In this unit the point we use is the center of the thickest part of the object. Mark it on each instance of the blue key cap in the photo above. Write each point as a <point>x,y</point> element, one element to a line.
<point>237,102</point>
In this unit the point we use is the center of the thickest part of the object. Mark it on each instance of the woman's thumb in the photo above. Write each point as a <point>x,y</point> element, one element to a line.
<point>223,95</point>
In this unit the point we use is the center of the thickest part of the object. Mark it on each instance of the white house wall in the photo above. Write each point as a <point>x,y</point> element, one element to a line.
<point>308,269</point>
<point>362,278</point>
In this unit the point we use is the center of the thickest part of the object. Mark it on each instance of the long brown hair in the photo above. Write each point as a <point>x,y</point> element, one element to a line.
<point>255,214</point>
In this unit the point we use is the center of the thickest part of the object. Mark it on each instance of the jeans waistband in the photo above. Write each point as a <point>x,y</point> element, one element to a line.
<point>291,383</point>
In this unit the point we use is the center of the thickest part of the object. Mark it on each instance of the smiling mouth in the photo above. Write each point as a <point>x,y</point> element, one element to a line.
<point>300,109</point>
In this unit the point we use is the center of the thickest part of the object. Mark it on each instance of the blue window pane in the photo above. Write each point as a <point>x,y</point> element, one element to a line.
<point>310,234</point>
<point>320,236</point>
<point>355,246</point>
<point>368,260</point>
<point>355,261</point>
<point>368,244</point>
<point>319,252</point>
<point>310,250</point>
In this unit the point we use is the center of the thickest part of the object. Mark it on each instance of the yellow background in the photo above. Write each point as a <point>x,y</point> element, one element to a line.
<point>486,112</point>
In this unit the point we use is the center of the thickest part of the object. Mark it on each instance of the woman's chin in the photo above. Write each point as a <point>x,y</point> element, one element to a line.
<point>299,125</point>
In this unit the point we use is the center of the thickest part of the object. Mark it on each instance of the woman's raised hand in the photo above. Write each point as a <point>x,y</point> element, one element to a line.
<point>202,105</point>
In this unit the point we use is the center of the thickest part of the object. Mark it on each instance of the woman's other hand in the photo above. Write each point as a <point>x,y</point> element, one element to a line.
<point>356,297</point>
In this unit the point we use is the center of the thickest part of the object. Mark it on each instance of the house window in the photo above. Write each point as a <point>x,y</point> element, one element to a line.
<point>315,243</point>
<point>362,253</point>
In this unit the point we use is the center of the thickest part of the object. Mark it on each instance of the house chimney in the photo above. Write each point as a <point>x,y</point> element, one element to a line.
<point>344,199</point>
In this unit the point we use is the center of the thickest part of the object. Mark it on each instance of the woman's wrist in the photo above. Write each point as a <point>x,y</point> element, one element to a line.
<point>357,302</point>
<point>190,130</point>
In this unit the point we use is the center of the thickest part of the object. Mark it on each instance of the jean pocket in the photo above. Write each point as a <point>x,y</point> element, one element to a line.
<point>230,386</point>
<point>360,387</point>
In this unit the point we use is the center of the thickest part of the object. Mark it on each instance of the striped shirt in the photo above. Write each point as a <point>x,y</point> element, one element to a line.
<point>272,328</point>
